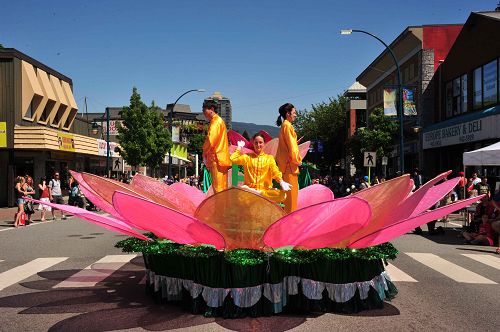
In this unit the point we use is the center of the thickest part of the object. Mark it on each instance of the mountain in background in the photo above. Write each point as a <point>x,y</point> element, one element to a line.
<point>253,128</point>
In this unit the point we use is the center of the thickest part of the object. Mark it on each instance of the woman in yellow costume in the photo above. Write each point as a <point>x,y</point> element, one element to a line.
<point>288,157</point>
<point>216,147</point>
<point>260,170</point>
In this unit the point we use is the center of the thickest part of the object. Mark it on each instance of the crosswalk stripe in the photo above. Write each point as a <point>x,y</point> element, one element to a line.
<point>97,272</point>
<point>485,259</point>
<point>450,270</point>
<point>24,271</point>
<point>398,275</point>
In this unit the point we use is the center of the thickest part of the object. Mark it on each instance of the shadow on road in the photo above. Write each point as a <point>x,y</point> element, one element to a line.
<point>122,303</point>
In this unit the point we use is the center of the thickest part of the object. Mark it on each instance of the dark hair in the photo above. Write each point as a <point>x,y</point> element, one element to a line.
<point>210,104</point>
<point>43,178</point>
<point>283,110</point>
<point>258,135</point>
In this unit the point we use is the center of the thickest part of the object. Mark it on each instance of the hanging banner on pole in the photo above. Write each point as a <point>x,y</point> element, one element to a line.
<point>409,102</point>
<point>390,96</point>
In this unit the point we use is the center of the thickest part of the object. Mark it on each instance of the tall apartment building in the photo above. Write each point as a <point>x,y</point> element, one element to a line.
<point>224,108</point>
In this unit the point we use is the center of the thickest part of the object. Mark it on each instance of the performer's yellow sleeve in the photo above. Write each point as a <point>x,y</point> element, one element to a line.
<point>288,156</point>
<point>238,158</point>
<point>290,138</point>
<point>216,147</point>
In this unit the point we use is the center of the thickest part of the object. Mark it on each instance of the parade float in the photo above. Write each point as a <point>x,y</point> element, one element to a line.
<point>236,253</point>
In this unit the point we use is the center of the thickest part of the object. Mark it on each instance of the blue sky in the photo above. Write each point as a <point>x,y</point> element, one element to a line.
<point>260,54</point>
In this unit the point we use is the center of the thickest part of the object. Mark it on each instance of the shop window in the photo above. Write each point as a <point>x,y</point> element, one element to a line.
<point>464,93</point>
<point>456,96</point>
<point>478,89</point>
<point>449,99</point>
<point>490,83</point>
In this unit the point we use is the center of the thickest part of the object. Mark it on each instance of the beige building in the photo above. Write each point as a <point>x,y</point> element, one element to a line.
<point>40,130</point>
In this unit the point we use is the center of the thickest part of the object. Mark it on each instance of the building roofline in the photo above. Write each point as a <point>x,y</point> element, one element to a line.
<point>396,40</point>
<point>13,53</point>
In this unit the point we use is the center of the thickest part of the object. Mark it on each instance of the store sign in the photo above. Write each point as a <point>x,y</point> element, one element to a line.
<point>471,131</point>
<point>3,134</point>
<point>102,148</point>
<point>66,142</point>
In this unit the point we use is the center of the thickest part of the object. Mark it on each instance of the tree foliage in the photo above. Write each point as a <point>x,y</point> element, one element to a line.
<point>378,136</point>
<point>325,122</point>
<point>143,138</point>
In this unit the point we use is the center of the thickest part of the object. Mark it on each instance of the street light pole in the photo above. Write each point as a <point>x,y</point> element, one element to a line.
<point>170,120</point>
<point>107,143</point>
<point>399,105</point>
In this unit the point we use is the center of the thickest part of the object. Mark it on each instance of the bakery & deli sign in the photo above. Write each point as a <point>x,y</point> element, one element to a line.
<point>471,131</point>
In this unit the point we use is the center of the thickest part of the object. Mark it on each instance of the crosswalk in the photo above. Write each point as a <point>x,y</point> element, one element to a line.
<point>104,267</point>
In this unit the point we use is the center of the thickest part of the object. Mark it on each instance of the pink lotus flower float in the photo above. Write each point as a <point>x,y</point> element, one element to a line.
<point>237,218</point>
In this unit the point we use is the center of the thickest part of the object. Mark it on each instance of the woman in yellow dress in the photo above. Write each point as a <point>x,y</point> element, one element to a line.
<point>260,169</point>
<point>288,157</point>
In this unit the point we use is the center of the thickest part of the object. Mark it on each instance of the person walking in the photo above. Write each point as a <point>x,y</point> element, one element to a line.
<point>29,190</point>
<point>44,197</point>
<point>20,193</point>
<point>55,194</point>
<point>287,156</point>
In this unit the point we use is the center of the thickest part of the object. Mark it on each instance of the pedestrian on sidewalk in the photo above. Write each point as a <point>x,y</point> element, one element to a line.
<point>44,197</point>
<point>55,194</point>
<point>19,191</point>
<point>29,190</point>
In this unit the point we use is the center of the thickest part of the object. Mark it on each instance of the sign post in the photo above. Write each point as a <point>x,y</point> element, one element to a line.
<point>369,160</point>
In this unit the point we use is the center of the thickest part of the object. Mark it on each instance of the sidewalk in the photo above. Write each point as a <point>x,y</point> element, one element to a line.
<point>7,215</point>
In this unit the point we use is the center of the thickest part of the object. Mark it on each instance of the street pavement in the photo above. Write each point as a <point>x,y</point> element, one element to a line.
<point>66,275</point>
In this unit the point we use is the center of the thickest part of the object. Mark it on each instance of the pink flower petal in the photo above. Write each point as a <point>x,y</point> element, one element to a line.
<point>240,216</point>
<point>383,198</point>
<point>92,196</point>
<point>165,222</point>
<point>180,198</point>
<point>313,194</point>
<point>304,148</point>
<point>391,232</point>
<point>193,194</point>
<point>234,137</point>
<point>106,187</point>
<point>271,147</point>
<point>320,225</point>
<point>244,150</point>
<point>100,220</point>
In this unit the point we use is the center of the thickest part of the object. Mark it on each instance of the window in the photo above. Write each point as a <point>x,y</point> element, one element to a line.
<point>490,83</point>
<point>478,89</point>
<point>464,93</point>
<point>412,71</point>
<point>456,96</point>
<point>449,100</point>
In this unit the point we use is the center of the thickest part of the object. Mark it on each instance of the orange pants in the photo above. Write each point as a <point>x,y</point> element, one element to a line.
<point>291,196</point>
<point>219,176</point>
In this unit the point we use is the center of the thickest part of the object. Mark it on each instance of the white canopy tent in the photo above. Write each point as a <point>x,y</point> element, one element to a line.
<point>487,156</point>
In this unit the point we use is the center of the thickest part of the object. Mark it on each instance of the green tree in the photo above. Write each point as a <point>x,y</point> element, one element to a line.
<point>1,46</point>
<point>143,138</point>
<point>378,136</point>
<point>159,139</point>
<point>196,143</point>
<point>325,122</point>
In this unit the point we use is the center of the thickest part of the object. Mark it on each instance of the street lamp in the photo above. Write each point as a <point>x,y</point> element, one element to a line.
<point>399,104</point>
<point>170,120</point>
<point>95,128</point>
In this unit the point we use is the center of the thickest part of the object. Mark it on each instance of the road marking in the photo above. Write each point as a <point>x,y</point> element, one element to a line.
<point>96,272</point>
<point>485,259</point>
<point>398,275</point>
<point>450,270</point>
<point>22,272</point>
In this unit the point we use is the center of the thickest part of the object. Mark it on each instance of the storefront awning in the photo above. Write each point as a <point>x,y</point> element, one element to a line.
<point>464,118</point>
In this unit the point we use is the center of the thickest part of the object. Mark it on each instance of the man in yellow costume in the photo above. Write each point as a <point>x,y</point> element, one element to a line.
<point>216,147</point>
<point>288,157</point>
<point>260,170</point>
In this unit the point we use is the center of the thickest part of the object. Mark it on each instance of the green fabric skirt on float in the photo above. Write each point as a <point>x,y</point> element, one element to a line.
<point>254,283</point>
